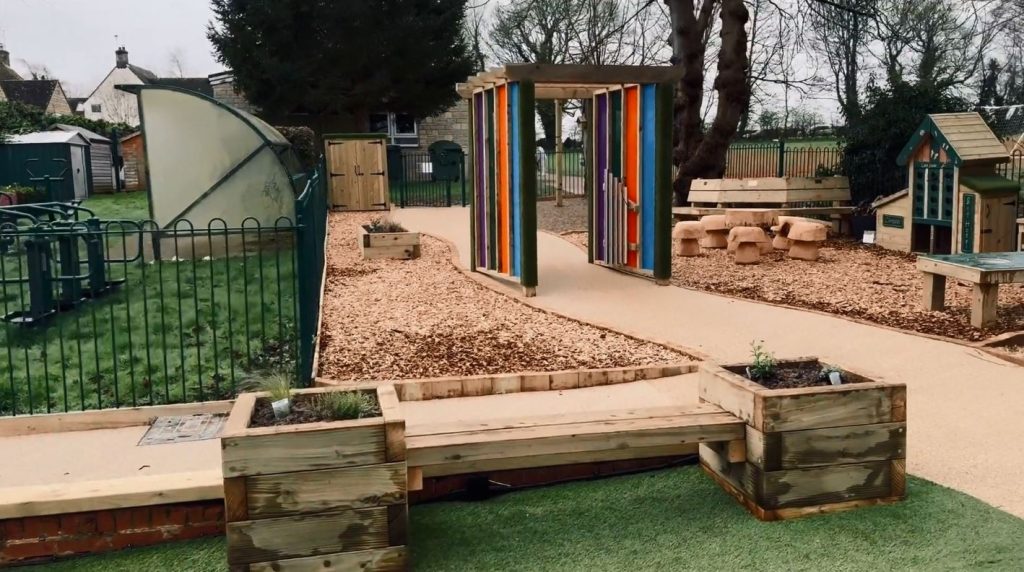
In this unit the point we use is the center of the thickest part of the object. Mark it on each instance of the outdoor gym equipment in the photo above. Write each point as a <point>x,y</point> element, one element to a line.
<point>52,241</point>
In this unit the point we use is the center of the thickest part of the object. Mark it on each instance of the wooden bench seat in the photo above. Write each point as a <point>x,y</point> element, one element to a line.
<point>552,440</point>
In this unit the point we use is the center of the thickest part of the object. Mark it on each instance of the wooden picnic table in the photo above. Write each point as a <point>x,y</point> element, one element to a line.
<point>985,271</point>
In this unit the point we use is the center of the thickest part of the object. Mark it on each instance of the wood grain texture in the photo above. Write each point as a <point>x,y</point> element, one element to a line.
<point>824,485</point>
<point>841,445</point>
<point>856,406</point>
<point>391,559</point>
<point>312,492</point>
<point>535,461</point>
<point>736,397</point>
<point>308,535</point>
<point>743,477</point>
<point>105,419</point>
<point>829,446</point>
<point>394,423</point>
<point>572,438</point>
<point>236,499</point>
<point>353,443</point>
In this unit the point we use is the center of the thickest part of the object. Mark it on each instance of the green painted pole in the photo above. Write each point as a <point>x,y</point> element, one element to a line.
<point>528,174</point>
<point>663,186</point>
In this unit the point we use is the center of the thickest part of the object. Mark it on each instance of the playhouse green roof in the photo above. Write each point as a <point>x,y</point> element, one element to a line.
<point>988,183</point>
<point>965,137</point>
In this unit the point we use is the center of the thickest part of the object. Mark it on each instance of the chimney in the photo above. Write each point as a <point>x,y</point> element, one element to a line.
<point>5,57</point>
<point>121,56</point>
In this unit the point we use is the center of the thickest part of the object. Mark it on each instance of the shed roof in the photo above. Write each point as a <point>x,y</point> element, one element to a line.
<point>964,136</point>
<point>89,135</point>
<point>569,81</point>
<point>48,137</point>
<point>989,183</point>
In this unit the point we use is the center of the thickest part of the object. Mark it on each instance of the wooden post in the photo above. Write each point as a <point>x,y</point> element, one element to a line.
<point>559,157</point>
<point>984,299</point>
<point>934,298</point>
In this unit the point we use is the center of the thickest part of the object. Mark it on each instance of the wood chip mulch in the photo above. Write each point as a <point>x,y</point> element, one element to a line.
<point>571,216</point>
<point>850,279</point>
<point>408,319</point>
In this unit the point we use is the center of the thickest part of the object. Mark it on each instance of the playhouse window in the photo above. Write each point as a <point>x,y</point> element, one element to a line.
<point>96,107</point>
<point>400,127</point>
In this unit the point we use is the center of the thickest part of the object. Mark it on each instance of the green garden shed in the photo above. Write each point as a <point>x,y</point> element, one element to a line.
<point>27,160</point>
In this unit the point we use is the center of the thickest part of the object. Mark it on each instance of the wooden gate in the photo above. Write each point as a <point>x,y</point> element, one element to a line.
<point>357,166</point>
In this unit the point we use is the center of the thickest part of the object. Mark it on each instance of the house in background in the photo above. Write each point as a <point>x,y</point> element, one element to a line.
<point>403,130</point>
<point>110,104</point>
<point>101,161</point>
<point>45,94</point>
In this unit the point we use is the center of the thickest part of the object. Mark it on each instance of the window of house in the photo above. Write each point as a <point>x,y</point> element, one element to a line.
<point>96,108</point>
<point>400,128</point>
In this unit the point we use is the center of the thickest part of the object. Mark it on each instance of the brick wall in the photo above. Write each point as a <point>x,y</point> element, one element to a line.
<point>225,93</point>
<point>451,125</point>
<point>47,537</point>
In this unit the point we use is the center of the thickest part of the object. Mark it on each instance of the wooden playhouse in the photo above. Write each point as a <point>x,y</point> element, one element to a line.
<point>956,202</point>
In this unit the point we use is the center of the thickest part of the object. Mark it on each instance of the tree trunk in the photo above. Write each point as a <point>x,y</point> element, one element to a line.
<point>546,112</point>
<point>699,154</point>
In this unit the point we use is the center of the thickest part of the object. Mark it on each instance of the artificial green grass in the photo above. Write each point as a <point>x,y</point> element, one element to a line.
<point>119,206</point>
<point>676,519</point>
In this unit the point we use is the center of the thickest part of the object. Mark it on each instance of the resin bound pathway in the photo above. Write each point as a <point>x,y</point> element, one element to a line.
<point>965,408</point>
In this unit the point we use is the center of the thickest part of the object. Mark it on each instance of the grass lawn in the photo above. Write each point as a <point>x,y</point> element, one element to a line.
<point>174,331</point>
<point>120,206</point>
<point>676,519</point>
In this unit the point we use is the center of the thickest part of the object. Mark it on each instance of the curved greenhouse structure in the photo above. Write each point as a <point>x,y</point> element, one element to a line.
<point>208,160</point>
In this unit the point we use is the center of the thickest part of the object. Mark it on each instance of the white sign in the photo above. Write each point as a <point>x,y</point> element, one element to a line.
<point>869,237</point>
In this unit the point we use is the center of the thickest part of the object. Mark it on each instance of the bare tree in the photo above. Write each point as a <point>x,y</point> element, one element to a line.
<point>578,32</point>
<point>176,63</point>
<point>840,31</point>
<point>37,71</point>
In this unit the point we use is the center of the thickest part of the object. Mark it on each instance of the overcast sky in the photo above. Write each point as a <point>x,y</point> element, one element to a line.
<point>75,39</point>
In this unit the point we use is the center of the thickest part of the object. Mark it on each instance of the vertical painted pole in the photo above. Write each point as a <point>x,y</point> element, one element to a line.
<point>474,232</point>
<point>559,156</point>
<point>589,172</point>
<point>528,201</point>
<point>663,186</point>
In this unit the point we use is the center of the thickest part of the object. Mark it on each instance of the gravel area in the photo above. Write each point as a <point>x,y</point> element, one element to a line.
<point>571,216</point>
<point>850,279</point>
<point>395,319</point>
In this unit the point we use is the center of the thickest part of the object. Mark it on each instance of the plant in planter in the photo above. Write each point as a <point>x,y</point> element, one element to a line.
<point>383,238</point>
<point>321,487</point>
<point>819,438</point>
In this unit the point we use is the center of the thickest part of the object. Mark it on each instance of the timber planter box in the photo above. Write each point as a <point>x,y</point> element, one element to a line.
<point>322,495</point>
<point>810,449</point>
<point>400,245</point>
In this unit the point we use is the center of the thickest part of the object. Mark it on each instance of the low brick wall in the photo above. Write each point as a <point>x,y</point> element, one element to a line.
<point>32,538</point>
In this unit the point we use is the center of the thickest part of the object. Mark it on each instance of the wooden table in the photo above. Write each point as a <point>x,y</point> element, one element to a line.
<point>985,271</point>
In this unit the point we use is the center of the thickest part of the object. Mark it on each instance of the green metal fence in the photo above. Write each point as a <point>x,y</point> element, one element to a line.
<point>102,314</point>
<point>419,180</point>
<point>782,159</point>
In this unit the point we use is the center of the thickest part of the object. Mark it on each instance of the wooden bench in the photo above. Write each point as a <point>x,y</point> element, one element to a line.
<point>553,440</point>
